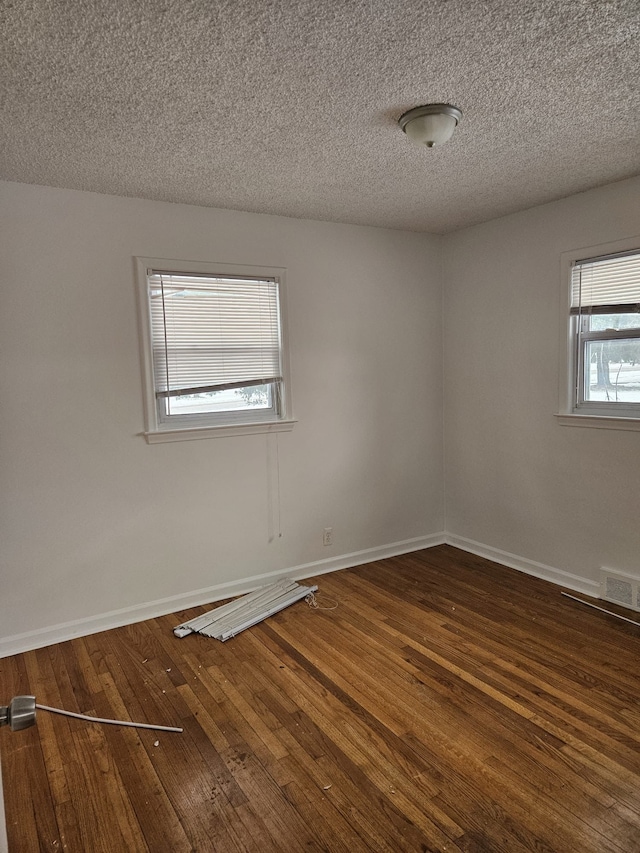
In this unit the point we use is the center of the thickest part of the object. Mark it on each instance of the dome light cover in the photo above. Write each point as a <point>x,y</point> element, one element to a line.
<point>430,125</point>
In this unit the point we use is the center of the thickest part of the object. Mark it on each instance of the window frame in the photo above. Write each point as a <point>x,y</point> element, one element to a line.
<point>197,425</point>
<point>573,409</point>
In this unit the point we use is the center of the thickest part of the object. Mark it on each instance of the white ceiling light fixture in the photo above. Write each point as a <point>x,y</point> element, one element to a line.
<point>430,125</point>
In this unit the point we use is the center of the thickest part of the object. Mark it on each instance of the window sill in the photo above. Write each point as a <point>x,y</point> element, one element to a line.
<point>161,436</point>
<point>599,422</point>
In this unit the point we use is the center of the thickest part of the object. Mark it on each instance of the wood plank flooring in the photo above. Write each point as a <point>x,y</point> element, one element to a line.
<point>446,704</point>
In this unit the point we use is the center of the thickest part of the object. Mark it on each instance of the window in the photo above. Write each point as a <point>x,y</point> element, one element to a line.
<point>604,335</point>
<point>213,349</point>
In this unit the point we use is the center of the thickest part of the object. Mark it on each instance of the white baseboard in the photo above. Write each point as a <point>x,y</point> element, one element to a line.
<point>116,618</point>
<point>529,567</point>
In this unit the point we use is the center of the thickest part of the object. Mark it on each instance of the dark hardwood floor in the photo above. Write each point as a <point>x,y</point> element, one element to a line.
<point>447,704</point>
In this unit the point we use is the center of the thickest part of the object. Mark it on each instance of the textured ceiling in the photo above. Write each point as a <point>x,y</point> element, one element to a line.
<point>290,106</point>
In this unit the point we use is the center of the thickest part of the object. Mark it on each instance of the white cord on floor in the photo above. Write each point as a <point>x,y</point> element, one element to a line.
<point>112,722</point>
<point>312,601</point>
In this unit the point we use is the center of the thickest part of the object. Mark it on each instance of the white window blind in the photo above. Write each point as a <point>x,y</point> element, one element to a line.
<point>213,333</point>
<point>606,285</point>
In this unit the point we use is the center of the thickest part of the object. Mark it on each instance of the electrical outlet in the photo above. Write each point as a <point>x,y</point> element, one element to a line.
<point>327,536</point>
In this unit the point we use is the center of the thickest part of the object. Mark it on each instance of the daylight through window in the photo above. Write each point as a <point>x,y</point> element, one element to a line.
<point>216,349</point>
<point>605,326</point>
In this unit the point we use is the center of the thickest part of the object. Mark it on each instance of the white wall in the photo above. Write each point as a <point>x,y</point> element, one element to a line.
<point>94,520</point>
<point>99,528</point>
<point>516,481</point>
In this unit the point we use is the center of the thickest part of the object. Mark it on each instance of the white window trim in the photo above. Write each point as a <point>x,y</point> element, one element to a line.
<point>156,432</point>
<point>612,418</point>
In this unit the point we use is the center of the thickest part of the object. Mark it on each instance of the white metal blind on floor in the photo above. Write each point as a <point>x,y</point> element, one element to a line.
<point>230,619</point>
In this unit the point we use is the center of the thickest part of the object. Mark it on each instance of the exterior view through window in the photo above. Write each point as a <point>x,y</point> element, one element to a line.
<point>214,352</point>
<point>605,318</point>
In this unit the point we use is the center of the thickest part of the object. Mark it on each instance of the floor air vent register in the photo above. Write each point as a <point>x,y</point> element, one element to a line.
<point>619,588</point>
